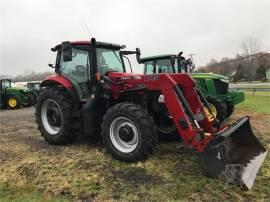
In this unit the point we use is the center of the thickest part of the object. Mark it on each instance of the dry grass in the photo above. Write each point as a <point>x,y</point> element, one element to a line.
<point>32,170</point>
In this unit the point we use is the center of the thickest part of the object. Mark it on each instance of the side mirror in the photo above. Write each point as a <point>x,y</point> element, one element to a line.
<point>66,51</point>
<point>179,56</point>
<point>51,65</point>
<point>138,55</point>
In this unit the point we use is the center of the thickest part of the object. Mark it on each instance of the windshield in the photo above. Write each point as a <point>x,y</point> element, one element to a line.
<point>109,60</point>
<point>158,66</point>
<point>34,86</point>
<point>164,66</point>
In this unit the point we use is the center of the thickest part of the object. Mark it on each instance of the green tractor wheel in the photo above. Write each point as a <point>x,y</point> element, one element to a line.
<point>218,108</point>
<point>166,128</point>
<point>13,103</point>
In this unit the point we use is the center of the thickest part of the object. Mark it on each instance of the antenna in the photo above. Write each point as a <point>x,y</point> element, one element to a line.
<point>191,56</point>
<point>87,28</point>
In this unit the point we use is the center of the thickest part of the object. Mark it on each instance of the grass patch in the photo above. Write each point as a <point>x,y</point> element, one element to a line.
<point>25,194</point>
<point>259,93</point>
<point>256,103</point>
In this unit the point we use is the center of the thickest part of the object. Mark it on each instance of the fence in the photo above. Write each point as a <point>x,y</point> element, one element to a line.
<point>253,90</point>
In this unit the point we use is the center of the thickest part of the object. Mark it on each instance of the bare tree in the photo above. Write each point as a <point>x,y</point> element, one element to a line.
<point>249,48</point>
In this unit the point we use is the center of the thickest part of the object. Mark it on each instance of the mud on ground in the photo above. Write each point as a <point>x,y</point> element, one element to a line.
<point>83,171</point>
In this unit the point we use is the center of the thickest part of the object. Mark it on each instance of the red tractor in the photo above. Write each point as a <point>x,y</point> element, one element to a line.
<point>92,92</point>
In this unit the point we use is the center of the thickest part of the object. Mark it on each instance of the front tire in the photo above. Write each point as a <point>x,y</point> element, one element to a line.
<point>218,108</point>
<point>54,116</point>
<point>128,132</point>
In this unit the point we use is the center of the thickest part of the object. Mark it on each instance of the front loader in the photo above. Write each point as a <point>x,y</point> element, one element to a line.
<point>92,92</point>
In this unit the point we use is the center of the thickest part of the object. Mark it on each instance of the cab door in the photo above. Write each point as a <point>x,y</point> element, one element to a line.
<point>77,71</point>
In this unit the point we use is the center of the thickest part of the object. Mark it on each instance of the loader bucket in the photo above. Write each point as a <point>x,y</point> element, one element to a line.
<point>235,155</point>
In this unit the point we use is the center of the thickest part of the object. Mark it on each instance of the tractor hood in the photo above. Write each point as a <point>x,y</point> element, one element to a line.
<point>17,90</point>
<point>210,76</point>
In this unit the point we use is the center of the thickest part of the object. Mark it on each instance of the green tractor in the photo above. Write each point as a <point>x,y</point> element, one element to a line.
<point>12,97</point>
<point>214,86</point>
<point>34,90</point>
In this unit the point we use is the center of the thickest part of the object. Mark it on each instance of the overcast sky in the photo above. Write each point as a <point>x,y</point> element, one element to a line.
<point>208,28</point>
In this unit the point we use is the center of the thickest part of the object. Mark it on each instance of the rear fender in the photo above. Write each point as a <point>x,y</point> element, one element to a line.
<point>58,80</point>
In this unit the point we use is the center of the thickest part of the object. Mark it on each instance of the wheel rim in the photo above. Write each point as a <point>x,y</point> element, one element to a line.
<point>51,116</point>
<point>124,134</point>
<point>12,102</point>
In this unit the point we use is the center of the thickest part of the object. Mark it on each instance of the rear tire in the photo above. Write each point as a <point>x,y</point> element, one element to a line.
<point>13,102</point>
<point>128,132</point>
<point>54,116</point>
<point>220,108</point>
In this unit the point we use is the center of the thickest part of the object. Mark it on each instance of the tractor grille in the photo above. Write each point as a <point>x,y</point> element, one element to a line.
<point>221,87</point>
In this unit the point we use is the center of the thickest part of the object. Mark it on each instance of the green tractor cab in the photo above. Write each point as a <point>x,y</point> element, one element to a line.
<point>214,86</point>
<point>12,97</point>
<point>34,86</point>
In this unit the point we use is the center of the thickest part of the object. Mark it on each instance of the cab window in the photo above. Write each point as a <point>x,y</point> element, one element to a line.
<point>6,84</point>
<point>149,67</point>
<point>109,60</point>
<point>77,71</point>
<point>164,66</point>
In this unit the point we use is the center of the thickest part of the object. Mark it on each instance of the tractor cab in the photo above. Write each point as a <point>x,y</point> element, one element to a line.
<point>5,83</point>
<point>82,61</point>
<point>33,86</point>
<point>167,64</point>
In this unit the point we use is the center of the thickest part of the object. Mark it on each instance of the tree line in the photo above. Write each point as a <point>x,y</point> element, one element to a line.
<point>252,64</point>
<point>27,76</point>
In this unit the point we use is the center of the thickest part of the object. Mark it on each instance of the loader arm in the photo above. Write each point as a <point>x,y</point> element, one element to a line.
<point>181,101</point>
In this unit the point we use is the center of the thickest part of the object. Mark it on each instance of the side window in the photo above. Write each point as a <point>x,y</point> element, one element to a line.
<point>164,66</point>
<point>149,68</point>
<point>78,66</point>
<point>6,84</point>
<point>77,71</point>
